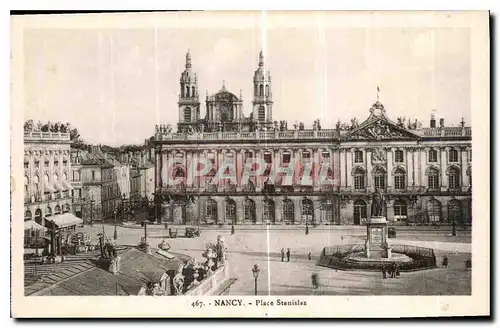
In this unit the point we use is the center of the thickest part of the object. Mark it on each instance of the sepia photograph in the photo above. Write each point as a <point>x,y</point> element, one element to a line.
<point>258,161</point>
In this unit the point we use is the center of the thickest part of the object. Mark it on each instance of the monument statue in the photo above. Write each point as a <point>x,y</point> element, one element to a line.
<point>378,201</point>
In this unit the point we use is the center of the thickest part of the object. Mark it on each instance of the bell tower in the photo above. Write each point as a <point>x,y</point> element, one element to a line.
<point>189,104</point>
<point>262,96</point>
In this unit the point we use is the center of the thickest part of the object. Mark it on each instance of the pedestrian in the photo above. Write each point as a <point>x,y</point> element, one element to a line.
<point>393,270</point>
<point>309,256</point>
<point>445,261</point>
<point>384,272</point>
<point>396,270</point>
<point>314,279</point>
<point>282,255</point>
<point>288,255</point>
<point>389,271</point>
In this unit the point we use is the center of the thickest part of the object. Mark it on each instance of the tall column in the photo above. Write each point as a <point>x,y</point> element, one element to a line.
<point>390,177</point>
<point>189,168</point>
<point>221,210</point>
<point>444,180</point>
<point>166,167</point>
<point>278,209</point>
<point>239,168</point>
<point>342,164</point>
<point>369,169</point>
<point>240,209</point>
<point>259,209</point>
<point>350,154</point>
<point>220,160</point>
<point>297,210</point>
<point>158,168</point>
<point>258,178</point>
<point>317,211</point>
<point>421,167</point>
<point>409,167</point>
<point>463,166</point>
<point>276,164</point>
<point>314,167</point>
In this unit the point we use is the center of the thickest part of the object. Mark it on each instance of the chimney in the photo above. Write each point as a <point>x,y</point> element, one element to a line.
<point>433,121</point>
<point>441,122</point>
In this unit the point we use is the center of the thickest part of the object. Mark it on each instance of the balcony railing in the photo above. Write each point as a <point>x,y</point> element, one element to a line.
<point>289,134</point>
<point>46,136</point>
<point>447,132</point>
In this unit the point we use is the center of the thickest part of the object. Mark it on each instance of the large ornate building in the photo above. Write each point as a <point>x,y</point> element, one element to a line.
<point>424,172</point>
<point>47,189</point>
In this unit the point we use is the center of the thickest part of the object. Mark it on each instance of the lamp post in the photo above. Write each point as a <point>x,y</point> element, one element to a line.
<point>115,233</point>
<point>255,272</point>
<point>92,201</point>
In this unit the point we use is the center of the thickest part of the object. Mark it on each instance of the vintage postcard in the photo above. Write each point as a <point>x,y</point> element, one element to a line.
<point>250,164</point>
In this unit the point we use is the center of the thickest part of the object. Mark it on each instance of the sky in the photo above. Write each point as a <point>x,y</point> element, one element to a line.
<point>114,85</point>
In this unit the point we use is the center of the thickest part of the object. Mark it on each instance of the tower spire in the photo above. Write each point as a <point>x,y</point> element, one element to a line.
<point>188,59</point>
<point>378,93</point>
<point>261,58</point>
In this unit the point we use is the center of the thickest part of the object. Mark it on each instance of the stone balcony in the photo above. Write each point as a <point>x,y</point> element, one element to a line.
<point>46,137</point>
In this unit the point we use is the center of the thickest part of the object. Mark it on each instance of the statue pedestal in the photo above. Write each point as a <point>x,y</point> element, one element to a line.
<point>376,244</point>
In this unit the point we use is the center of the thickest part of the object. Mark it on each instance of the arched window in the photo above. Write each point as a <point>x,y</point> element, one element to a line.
<point>469,173</point>
<point>400,210</point>
<point>38,216</point>
<point>453,178</point>
<point>261,115</point>
<point>178,173</point>
<point>57,210</point>
<point>269,213</point>
<point>455,211</point>
<point>359,179</point>
<point>379,177</point>
<point>267,90</point>
<point>187,91</point>
<point>434,211</point>
<point>288,212</point>
<point>453,156</point>
<point>261,90</point>
<point>193,93</point>
<point>250,216</point>
<point>65,208</point>
<point>187,114</point>
<point>27,215</point>
<point>307,210</point>
<point>433,179</point>
<point>399,156</point>
<point>255,90</point>
<point>359,211</point>
<point>230,211</point>
<point>400,179</point>
<point>48,212</point>
<point>326,211</point>
<point>433,156</point>
<point>211,211</point>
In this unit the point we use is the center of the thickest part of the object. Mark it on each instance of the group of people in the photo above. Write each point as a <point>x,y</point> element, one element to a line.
<point>287,253</point>
<point>391,270</point>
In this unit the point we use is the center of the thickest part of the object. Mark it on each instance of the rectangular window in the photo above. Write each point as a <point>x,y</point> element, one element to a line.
<point>326,156</point>
<point>65,163</point>
<point>286,158</point>
<point>37,164</point>
<point>453,182</point>
<point>93,175</point>
<point>359,182</point>
<point>268,158</point>
<point>399,156</point>
<point>453,155</point>
<point>306,157</point>
<point>46,163</point>
<point>56,163</point>
<point>433,155</point>
<point>26,165</point>
<point>358,156</point>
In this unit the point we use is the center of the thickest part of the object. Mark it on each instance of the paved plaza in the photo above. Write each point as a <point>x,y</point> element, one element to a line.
<point>262,246</point>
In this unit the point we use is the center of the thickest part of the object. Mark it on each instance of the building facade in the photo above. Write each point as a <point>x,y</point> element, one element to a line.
<point>255,170</point>
<point>47,189</point>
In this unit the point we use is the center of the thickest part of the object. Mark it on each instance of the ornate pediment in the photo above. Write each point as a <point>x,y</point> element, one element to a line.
<point>379,129</point>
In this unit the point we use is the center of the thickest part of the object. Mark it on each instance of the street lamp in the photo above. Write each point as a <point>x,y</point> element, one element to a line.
<point>92,202</point>
<point>255,272</point>
<point>115,233</point>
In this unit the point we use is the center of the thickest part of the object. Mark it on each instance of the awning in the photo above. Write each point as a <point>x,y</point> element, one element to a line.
<point>28,225</point>
<point>65,220</point>
<point>48,187</point>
